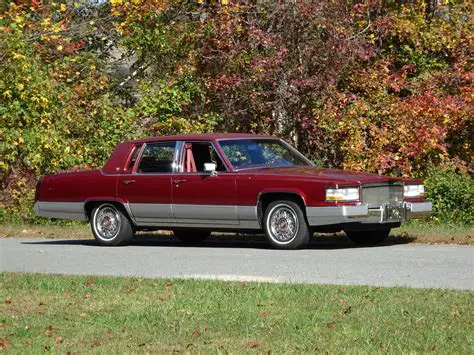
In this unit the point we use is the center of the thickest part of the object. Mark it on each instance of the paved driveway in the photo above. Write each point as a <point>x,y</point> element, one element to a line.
<point>412,265</point>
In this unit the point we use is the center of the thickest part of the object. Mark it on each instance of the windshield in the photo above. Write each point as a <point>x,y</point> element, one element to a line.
<point>260,152</point>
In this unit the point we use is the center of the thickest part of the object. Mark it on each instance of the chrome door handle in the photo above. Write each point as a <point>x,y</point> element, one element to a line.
<point>127,182</point>
<point>179,181</point>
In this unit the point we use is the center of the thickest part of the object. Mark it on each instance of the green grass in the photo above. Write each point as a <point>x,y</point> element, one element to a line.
<point>423,232</point>
<point>104,314</point>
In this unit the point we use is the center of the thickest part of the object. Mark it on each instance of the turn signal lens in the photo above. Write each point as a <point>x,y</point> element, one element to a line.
<point>348,194</point>
<point>414,191</point>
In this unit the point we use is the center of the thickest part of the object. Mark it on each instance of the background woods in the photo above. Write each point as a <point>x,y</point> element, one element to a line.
<point>381,86</point>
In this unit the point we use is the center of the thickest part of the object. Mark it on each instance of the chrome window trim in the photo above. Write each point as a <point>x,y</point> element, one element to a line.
<point>289,146</point>
<point>181,158</point>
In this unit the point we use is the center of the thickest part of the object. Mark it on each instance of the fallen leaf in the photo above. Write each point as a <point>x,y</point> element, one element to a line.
<point>4,344</point>
<point>89,282</point>
<point>168,286</point>
<point>8,301</point>
<point>264,314</point>
<point>50,330</point>
<point>82,315</point>
<point>331,325</point>
<point>96,344</point>
<point>59,340</point>
<point>196,333</point>
<point>67,294</point>
<point>253,345</point>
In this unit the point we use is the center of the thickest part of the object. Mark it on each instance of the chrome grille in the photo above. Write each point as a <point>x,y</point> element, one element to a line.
<point>376,196</point>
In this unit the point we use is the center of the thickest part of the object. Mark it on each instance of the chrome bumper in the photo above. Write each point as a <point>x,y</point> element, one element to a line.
<point>319,216</point>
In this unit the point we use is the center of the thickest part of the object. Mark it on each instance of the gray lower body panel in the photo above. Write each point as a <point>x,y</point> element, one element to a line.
<point>164,215</point>
<point>61,210</point>
<point>197,216</point>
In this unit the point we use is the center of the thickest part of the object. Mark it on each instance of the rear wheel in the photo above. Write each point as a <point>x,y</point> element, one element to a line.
<point>193,236</point>
<point>111,226</point>
<point>368,237</point>
<point>285,225</point>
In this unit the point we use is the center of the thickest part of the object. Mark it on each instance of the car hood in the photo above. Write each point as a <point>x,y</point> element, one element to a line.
<point>336,175</point>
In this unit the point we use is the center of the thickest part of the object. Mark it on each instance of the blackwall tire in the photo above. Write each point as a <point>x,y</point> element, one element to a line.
<point>191,236</point>
<point>372,237</point>
<point>110,226</point>
<point>285,225</point>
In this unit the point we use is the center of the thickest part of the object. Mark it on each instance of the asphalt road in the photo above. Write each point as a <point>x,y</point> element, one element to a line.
<point>411,265</point>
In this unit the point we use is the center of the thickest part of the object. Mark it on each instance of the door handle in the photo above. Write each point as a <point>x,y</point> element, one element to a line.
<point>179,181</point>
<point>127,182</point>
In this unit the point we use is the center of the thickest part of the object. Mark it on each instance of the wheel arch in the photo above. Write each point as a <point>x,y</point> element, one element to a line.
<point>267,197</point>
<point>90,204</point>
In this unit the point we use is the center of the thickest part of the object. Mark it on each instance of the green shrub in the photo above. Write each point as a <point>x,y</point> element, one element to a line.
<point>452,194</point>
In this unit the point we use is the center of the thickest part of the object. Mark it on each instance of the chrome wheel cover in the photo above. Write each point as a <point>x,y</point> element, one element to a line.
<point>107,222</point>
<point>282,224</point>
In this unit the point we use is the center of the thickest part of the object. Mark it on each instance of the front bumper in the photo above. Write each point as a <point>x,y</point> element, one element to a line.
<point>320,216</point>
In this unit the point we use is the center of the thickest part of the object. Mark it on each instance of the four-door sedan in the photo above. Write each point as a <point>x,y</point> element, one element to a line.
<point>195,184</point>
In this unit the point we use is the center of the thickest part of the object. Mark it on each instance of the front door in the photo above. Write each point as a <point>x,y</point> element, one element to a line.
<point>202,198</point>
<point>147,186</point>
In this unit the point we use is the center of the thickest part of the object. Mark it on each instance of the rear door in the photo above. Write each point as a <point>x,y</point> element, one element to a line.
<point>147,183</point>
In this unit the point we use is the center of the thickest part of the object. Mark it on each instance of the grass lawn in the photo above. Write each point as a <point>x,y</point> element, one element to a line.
<point>413,232</point>
<point>103,314</point>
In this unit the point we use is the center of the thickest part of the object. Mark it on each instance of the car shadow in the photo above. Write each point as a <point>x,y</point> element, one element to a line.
<point>322,242</point>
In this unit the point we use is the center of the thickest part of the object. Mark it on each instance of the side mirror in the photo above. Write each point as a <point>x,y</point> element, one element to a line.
<point>210,168</point>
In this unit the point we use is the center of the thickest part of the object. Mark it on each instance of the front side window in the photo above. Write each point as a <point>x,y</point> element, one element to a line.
<point>260,152</point>
<point>196,154</point>
<point>157,158</point>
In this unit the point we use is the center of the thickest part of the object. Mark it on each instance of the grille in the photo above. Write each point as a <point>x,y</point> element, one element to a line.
<point>375,196</point>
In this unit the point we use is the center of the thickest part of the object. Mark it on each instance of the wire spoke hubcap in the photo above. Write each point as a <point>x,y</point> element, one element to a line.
<point>107,222</point>
<point>283,224</point>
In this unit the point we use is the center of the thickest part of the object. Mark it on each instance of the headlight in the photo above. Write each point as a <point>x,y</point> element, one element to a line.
<point>414,191</point>
<point>348,194</point>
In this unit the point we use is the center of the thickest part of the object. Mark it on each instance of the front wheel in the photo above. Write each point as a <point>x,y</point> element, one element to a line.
<point>368,237</point>
<point>285,225</point>
<point>111,226</point>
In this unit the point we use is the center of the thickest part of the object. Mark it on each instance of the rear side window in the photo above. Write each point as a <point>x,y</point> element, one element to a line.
<point>157,158</point>
<point>132,159</point>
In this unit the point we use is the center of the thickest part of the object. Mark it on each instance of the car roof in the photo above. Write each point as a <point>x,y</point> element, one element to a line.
<point>201,136</point>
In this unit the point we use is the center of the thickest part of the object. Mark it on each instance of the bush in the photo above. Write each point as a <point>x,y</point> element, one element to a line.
<point>452,194</point>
